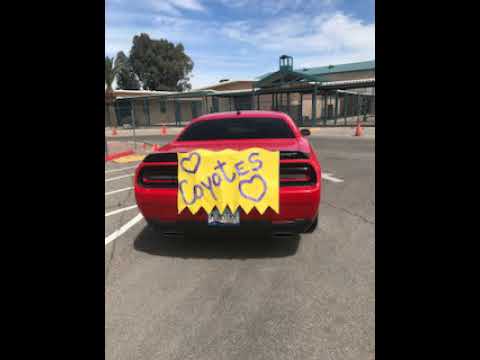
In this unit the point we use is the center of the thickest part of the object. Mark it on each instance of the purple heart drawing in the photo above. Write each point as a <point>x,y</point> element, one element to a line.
<point>188,159</point>
<point>249,181</point>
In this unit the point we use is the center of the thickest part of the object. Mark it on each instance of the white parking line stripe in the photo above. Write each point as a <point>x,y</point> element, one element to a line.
<point>120,210</point>
<point>117,191</point>
<point>116,170</point>
<point>118,177</point>
<point>328,176</point>
<point>123,229</point>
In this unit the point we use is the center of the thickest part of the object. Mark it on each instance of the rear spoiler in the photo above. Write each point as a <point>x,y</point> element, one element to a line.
<point>172,157</point>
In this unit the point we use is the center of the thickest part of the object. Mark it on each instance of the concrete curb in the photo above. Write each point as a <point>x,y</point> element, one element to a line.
<point>116,155</point>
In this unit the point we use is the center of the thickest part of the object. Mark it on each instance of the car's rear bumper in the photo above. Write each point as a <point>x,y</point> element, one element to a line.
<point>298,205</point>
<point>287,227</point>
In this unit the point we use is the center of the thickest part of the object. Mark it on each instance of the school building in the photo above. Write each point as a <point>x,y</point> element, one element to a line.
<point>318,96</point>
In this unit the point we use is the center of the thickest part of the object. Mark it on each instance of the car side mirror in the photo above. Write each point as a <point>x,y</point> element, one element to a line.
<point>305,132</point>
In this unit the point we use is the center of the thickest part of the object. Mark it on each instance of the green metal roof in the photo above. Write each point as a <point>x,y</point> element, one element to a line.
<point>284,75</point>
<point>331,69</point>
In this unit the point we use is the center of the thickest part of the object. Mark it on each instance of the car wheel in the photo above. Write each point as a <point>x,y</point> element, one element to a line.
<point>312,227</point>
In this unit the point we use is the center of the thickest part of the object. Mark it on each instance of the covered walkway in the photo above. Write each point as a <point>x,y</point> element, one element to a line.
<point>333,95</point>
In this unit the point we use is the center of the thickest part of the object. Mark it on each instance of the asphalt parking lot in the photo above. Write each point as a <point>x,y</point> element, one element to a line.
<point>242,297</point>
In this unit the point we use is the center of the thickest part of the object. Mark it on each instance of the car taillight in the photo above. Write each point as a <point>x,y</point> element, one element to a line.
<point>293,155</point>
<point>160,157</point>
<point>297,174</point>
<point>158,176</point>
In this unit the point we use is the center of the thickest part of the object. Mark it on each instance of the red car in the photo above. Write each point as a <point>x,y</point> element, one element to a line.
<point>300,174</point>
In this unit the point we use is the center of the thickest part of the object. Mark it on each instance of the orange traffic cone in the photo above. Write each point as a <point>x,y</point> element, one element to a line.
<point>114,131</point>
<point>164,130</point>
<point>358,130</point>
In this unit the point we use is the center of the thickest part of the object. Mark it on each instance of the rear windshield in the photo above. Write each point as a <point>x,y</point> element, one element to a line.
<point>239,128</point>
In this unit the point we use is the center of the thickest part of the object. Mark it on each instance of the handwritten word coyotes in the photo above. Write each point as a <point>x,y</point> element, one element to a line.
<point>248,178</point>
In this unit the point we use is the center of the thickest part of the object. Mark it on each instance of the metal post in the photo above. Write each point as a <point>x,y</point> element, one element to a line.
<point>336,107</point>
<point>301,109</point>
<point>133,126</point>
<point>180,113</point>
<point>364,107</point>
<point>116,114</point>
<point>258,102</point>
<point>288,103</point>
<point>322,110</point>
<point>345,104</point>
<point>314,105</point>
<point>325,110</point>
<point>354,106</point>
<point>357,110</point>
<point>178,119</point>
<point>146,111</point>
<point>193,106</point>
<point>373,102</point>
<point>359,106</point>
<point>252,105</point>
<point>230,102</point>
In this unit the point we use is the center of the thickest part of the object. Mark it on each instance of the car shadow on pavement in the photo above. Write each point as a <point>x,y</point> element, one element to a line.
<point>217,246</point>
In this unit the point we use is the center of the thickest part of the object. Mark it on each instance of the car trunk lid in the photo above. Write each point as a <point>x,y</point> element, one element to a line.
<point>218,145</point>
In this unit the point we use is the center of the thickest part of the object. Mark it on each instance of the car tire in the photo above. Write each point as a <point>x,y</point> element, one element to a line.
<point>153,226</point>
<point>312,227</point>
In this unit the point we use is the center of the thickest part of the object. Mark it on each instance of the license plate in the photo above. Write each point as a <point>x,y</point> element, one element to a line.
<point>227,218</point>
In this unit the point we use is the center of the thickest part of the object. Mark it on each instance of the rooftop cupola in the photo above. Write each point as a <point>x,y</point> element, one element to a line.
<point>286,63</point>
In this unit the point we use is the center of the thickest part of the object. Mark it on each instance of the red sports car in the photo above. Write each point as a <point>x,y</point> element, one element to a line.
<point>300,174</point>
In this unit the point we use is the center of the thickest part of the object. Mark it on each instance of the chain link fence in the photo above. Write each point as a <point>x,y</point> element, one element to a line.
<point>327,108</point>
<point>131,117</point>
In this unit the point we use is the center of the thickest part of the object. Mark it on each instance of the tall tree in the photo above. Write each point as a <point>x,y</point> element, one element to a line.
<point>111,71</point>
<point>126,78</point>
<point>160,64</point>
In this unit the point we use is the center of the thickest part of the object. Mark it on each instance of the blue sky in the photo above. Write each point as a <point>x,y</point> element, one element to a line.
<point>242,39</point>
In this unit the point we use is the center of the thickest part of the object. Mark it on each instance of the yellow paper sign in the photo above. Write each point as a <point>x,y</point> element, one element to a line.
<point>248,178</point>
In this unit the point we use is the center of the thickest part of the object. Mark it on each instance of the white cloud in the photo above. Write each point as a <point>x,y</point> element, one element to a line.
<point>172,6</point>
<point>189,4</point>
<point>152,7</point>
<point>205,78</point>
<point>234,3</point>
<point>116,40</point>
<point>174,28</point>
<point>273,7</point>
<point>201,79</point>
<point>225,62</point>
<point>249,46</point>
<point>166,7</point>
<point>323,35</point>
